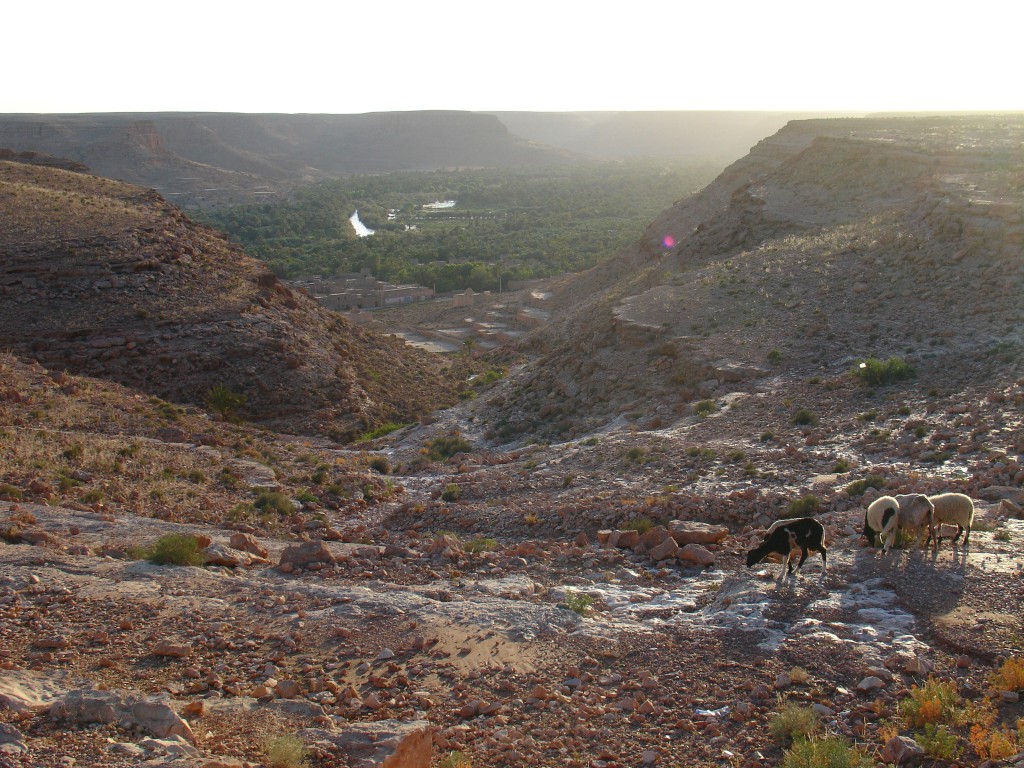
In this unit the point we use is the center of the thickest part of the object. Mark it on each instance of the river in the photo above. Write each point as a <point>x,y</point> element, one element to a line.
<point>361,229</point>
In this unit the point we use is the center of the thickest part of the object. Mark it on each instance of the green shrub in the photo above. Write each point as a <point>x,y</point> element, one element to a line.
<point>380,465</point>
<point>451,492</point>
<point>705,407</point>
<point>383,429</point>
<point>938,742</point>
<point>578,602</point>
<point>857,487</point>
<point>874,373</point>
<point>446,446</point>
<point>641,525</point>
<point>841,466</point>
<point>805,506</point>
<point>774,356</point>
<point>803,418</point>
<point>223,401</point>
<point>936,701</point>
<point>306,496</point>
<point>636,455</point>
<point>479,544</point>
<point>273,501</point>
<point>455,760</point>
<point>175,549</point>
<point>285,751</point>
<point>74,452</point>
<point>793,722</point>
<point>92,496</point>
<point>10,492</point>
<point>767,435</point>
<point>830,752</point>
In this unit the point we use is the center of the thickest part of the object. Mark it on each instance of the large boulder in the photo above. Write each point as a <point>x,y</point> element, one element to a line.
<point>306,553</point>
<point>123,709</point>
<point>690,532</point>
<point>381,744</point>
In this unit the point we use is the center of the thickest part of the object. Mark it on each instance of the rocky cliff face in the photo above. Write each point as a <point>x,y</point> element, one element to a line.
<point>832,240</point>
<point>103,278</point>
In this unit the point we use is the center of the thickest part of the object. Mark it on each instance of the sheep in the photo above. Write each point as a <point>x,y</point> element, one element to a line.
<point>877,516</point>
<point>785,536</point>
<point>915,513</point>
<point>954,508</point>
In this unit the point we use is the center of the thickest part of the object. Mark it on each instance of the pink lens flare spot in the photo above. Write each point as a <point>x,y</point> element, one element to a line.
<point>669,241</point>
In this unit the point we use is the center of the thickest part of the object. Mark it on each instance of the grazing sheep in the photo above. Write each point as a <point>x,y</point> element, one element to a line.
<point>786,536</point>
<point>954,508</point>
<point>915,514</point>
<point>877,517</point>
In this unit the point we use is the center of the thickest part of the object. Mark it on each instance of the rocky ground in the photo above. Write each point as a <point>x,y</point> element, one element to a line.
<point>502,626</point>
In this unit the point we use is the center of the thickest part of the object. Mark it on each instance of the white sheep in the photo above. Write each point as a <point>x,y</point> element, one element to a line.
<point>877,516</point>
<point>956,509</point>
<point>916,514</point>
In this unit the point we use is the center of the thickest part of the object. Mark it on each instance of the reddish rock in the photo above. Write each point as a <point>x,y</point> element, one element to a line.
<point>306,553</point>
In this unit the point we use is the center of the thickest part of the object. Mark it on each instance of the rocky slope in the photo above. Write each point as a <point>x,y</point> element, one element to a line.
<point>830,242</point>
<point>104,278</point>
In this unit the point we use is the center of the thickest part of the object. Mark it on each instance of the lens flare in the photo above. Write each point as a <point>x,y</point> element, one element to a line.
<point>668,241</point>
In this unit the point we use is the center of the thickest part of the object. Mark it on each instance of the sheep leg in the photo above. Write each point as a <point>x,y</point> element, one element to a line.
<point>803,556</point>
<point>959,530</point>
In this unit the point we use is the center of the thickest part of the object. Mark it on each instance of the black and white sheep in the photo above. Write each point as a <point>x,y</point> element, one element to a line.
<point>786,536</point>
<point>877,516</point>
<point>956,509</point>
<point>915,514</point>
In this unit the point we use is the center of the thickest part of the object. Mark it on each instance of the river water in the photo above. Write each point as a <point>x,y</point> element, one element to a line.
<point>361,229</point>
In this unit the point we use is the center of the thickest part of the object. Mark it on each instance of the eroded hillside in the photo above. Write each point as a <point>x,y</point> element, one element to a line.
<point>832,241</point>
<point>104,278</point>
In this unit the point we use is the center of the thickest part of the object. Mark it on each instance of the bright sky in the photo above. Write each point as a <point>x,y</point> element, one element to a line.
<point>544,55</point>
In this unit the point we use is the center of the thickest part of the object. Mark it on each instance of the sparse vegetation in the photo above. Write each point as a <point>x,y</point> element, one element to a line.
<point>828,752</point>
<point>857,487</point>
<point>705,407</point>
<point>877,373</point>
<point>286,751</point>
<point>444,447</point>
<point>224,402</point>
<point>805,506</point>
<point>451,492</point>
<point>381,431</point>
<point>794,722</point>
<point>578,602</point>
<point>175,549</point>
<point>935,701</point>
<point>803,418</point>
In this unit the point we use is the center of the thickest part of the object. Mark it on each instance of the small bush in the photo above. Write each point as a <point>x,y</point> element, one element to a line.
<point>636,455</point>
<point>805,506</point>
<point>578,602</point>
<point>767,436</point>
<point>74,452</point>
<point>285,751</point>
<point>936,701</point>
<point>446,446</point>
<point>479,544</point>
<point>380,465</point>
<point>857,487</point>
<point>794,722</point>
<point>831,752</point>
<point>9,492</point>
<point>1010,675</point>
<point>803,418</point>
<point>223,401</point>
<point>774,356</point>
<point>92,496</point>
<point>451,492</point>
<point>273,501</point>
<point>175,549</point>
<point>306,496</point>
<point>383,429</point>
<point>705,407</point>
<point>455,760</point>
<point>875,373</point>
<point>841,466</point>
<point>641,525</point>
<point>938,742</point>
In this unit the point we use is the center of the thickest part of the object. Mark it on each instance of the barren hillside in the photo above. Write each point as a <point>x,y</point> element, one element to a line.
<point>833,241</point>
<point>104,278</point>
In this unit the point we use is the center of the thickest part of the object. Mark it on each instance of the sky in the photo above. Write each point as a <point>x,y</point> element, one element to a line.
<point>532,55</point>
